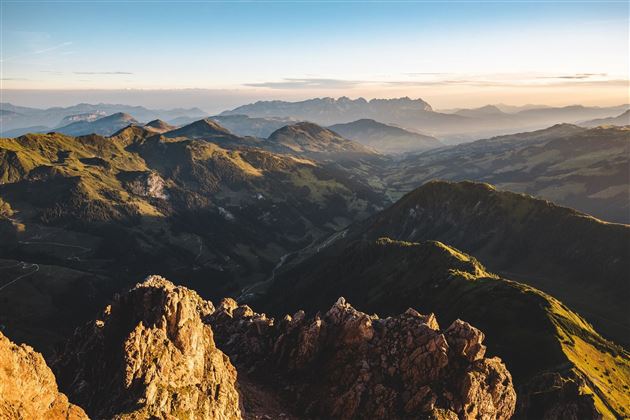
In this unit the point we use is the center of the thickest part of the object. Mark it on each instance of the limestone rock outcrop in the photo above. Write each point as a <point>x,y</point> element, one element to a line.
<point>28,389</point>
<point>150,356</point>
<point>346,364</point>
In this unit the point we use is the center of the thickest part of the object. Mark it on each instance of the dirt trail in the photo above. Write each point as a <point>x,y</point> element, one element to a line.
<point>24,266</point>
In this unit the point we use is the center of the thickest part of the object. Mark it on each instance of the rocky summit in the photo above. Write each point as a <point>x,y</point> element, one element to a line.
<point>349,365</point>
<point>28,389</point>
<point>152,354</point>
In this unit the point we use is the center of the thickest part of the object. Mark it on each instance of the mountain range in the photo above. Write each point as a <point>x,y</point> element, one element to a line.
<point>529,294</point>
<point>312,140</point>
<point>416,114</point>
<point>16,120</point>
<point>260,119</point>
<point>385,138</point>
<point>242,125</point>
<point>619,120</point>
<point>388,262</point>
<point>103,126</point>
<point>164,351</point>
<point>586,169</point>
<point>192,208</point>
<point>328,111</point>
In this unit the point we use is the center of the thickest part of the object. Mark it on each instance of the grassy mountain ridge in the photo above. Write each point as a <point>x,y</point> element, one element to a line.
<point>575,257</point>
<point>537,336</point>
<point>51,117</point>
<point>243,125</point>
<point>296,215</point>
<point>586,169</point>
<point>104,126</point>
<point>138,203</point>
<point>620,120</point>
<point>456,127</point>
<point>385,138</point>
<point>312,140</point>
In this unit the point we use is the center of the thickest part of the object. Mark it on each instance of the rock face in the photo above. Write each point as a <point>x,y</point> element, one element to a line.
<point>552,396</point>
<point>28,389</point>
<point>346,364</point>
<point>150,355</point>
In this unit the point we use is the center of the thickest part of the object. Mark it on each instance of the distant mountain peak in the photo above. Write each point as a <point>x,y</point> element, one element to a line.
<point>484,111</point>
<point>302,129</point>
<point>384,137</point>
<point>119,116</point>
<point>159,126</point>
<point>104,126</point>
<point>309,137</point>
<point>622,119</point>
<point>210,124</point>
<point>490,108</point>
<point>330,110</point>
<point>305,126</point>
<point>202,128</point>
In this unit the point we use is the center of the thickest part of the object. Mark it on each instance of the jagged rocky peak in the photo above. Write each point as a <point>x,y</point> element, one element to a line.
<point>150,355</point>
<point>28,389</point>
<point>347,364</point>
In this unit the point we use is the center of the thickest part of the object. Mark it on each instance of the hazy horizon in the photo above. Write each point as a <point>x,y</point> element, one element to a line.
<point>217,55</point>
<point>214,102</point>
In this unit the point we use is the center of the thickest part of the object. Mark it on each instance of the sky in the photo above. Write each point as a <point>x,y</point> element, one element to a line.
<point>219,54</point>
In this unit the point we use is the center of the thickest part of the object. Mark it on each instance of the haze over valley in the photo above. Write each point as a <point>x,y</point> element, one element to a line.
<point>361,212</point>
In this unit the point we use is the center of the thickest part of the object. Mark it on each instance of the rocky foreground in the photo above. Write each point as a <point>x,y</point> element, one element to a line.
<point>160,351</point>
<point>346,364</point>
<point>28,389</point>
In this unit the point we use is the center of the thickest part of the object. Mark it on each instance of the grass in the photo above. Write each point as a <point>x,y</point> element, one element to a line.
<point>531,331</point>
<point>604,365</point>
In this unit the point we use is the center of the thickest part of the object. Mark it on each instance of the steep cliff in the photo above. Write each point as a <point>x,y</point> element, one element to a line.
<point>150,355</point>
<point>346,364</point>
<point>28,389</point>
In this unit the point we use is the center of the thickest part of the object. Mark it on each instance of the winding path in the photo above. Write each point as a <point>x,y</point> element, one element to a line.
<point>84,250</point>
<point>24,267</point>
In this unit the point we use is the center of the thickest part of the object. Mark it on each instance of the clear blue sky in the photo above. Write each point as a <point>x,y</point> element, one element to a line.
<point>495,51</point>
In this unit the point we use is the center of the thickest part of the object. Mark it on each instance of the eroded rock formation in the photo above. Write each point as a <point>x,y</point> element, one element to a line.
<point>150,355</point>
<point>346,364</point>
<point>28,389</point>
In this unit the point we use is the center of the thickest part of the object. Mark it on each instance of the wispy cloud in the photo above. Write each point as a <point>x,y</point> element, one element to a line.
<point>578,76</point>
<point>53,48</point>
<point>441,79</point>
<point>102,72</point>
<point>516,83</point>
<point>308,83</point>
<point>6,79</point>
<point>425,74</point>
<point>37,52</point>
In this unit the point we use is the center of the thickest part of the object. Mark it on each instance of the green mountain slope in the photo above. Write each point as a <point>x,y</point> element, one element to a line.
<point>576,258</point>
<point>385,138</point>
<point>137,203</point>
<point>104,126</point>
<point>311,140</point>
<point>586,169</point>
<point>559,363</point>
